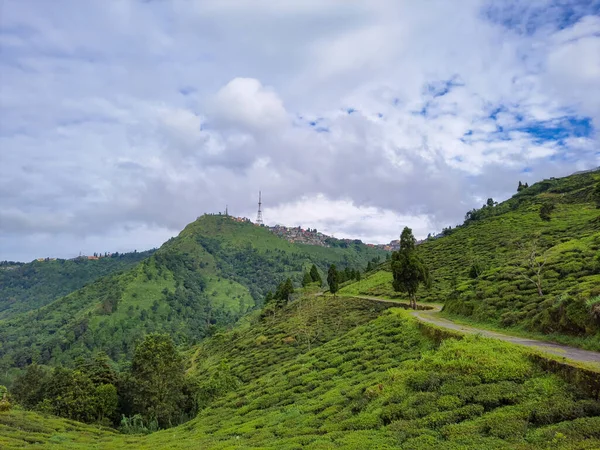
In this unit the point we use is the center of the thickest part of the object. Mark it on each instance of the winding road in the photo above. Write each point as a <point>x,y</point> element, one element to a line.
<point>431,316</point>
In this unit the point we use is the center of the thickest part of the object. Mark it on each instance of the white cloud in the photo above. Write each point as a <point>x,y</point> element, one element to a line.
<point>245,103</point>
<point>351,116</point>
<point>343,219</point>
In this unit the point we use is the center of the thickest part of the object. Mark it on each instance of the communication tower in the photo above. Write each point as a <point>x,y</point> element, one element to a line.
<point>259,218</point>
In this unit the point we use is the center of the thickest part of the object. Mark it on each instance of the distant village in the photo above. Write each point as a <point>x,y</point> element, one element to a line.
<point>311,236</point>
<point>95,256</point>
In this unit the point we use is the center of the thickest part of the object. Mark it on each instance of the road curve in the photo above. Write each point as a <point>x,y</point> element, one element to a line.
<point>430,316</point>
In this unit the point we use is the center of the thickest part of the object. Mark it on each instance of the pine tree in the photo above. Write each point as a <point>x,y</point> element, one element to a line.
<point>283,292</point>
<point>268,298</point>
<point>333,279</point>
<point>408,269</point>
<point>306,279</point>
<point>314,275</point>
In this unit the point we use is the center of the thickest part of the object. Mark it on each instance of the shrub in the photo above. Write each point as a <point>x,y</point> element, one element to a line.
<point>4,403</point>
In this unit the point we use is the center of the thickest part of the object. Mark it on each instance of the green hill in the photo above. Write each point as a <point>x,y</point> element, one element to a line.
<point>368,378</point>
<point>213,273</point>
<point>24,287</point>
<point>486,270</point>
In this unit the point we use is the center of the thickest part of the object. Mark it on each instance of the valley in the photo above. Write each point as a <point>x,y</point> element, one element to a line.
<point>262,356</point>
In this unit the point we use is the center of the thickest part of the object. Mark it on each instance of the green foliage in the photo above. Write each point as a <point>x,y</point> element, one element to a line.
<point>283,293</point>
<point>106,402</point>
<point>71,395</point>
<point>315,276</point>
<point>333,279</point>
<point>24,287</point>
<point>480,270</point>
<point>29,388</point>
<point>137,425</point>
<point>306,279</point>
<point>545,211</point>
<point>376,382</point>
<point>408,268</point>
<point>158,375</point>
<point>212,274</point>
<point>4,402</point>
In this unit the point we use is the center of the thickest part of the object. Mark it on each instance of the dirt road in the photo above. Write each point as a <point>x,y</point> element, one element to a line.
<point>431,316</point>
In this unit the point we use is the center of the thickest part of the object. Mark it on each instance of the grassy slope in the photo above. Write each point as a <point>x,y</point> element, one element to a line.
<point>376,382</point>
<point>211,274</point>
<point>35,284</point>
<point>569,244</point>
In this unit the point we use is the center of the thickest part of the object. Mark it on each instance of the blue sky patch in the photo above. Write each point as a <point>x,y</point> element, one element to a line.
<point>528,17</point>
<point>558,129</point>
<point>441,88</point>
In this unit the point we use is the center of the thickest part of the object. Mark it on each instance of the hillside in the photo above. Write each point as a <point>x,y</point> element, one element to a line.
<point>213,273</point>
<point>483,270</point>
<point>24,287</point>
<point>370,379</point>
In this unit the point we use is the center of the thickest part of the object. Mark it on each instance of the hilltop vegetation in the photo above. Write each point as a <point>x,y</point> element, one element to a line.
<point>208,277</point>
<point>24,287</point>
<point>511,268</point>
<point>371,380</point>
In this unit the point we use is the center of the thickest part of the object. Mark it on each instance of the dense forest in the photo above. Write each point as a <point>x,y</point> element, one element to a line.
<point>27,286</point>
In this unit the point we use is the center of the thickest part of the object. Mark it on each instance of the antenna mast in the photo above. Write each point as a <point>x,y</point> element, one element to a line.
<point>259,218</point>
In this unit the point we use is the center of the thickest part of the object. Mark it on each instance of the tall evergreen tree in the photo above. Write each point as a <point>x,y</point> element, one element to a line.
<point>315,276</point>
<point>283,292</point>
<point>408,269</point>
<point>306,279</point>
<point>268,298</point>
<point>333,279</point>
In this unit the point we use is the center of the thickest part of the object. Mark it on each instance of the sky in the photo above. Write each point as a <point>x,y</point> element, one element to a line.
<point>121,121</point>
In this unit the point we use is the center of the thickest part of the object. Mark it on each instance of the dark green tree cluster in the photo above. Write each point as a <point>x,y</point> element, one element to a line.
<point>522,186</point>
<point>87,393</point>
<point>154,387</point>
<point>312,276</point>
<point>315,276</point>
<point>597,195</point>
<point>333,279</point>
<point>281,296</point>
<point>545,211</point>
<point>372,264</point>
<point>348,274</point>
<point>486,210</point>
<point>408,269</point>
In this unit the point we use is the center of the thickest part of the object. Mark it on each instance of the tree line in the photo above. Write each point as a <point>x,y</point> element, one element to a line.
<point>153,393</point>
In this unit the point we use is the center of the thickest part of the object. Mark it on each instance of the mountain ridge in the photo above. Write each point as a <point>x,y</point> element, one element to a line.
<point>207,277</point>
